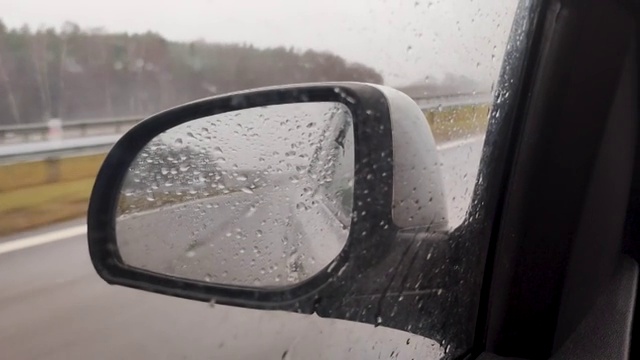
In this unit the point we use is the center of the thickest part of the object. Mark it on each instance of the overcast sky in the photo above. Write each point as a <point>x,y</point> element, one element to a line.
<point>407,40</point>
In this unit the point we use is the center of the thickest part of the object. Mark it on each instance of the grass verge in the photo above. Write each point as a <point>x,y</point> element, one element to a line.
<point>34,173</point>
<point>27,208</point>
<point>458,122</point>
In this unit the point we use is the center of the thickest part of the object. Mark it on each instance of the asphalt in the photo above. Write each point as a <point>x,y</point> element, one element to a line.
<point>262,238</point>
<point>54,306</point>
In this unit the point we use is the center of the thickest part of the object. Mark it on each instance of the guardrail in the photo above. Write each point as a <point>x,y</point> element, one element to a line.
<point>13,134</point>
<point>32,141</point>
<point>57,148</point>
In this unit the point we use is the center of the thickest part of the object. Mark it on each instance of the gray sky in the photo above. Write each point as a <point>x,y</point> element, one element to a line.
<point>406,40</point>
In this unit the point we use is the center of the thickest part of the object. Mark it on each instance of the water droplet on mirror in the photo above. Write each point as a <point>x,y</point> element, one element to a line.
<point>332,266</point>
<point>342,270</point>
<point>378,321</point>
<point>285,355</point>
<point>190,254</point>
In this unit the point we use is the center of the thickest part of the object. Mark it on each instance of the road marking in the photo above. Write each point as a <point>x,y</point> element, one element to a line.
<point>456,143</point>
<point>41,239</point>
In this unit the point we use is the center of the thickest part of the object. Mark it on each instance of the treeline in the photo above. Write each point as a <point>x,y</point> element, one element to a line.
<point>74,73</point>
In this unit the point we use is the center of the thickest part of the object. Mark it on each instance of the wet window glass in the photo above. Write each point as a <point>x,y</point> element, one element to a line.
<point>75,75</point>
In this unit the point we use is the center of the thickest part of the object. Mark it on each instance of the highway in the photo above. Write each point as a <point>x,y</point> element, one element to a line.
<point>239,234</point>
<point>54,306</point>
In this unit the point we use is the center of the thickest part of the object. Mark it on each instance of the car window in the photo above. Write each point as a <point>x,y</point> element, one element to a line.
<point>83,72</point>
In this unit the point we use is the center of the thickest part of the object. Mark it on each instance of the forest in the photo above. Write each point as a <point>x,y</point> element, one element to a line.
<point>73,73</point>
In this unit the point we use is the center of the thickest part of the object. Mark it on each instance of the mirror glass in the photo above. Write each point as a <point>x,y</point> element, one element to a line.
<point>260,197</point>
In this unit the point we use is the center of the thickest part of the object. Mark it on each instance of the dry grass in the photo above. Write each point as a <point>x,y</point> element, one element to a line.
<point>40,193</point>
<point>34,173</point>
<point>456,122</point>
<point>31,207</point>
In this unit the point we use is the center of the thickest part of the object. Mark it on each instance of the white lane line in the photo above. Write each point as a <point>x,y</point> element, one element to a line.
<point>456,143</point>
<point>41,239</point>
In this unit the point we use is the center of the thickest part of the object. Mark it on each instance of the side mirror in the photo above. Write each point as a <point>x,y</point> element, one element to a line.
<point>278,198</point>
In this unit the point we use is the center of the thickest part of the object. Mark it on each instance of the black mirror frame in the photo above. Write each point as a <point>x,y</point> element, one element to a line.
<point>372,230</point>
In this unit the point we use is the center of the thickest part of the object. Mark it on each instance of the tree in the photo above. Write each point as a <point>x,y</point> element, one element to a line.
<point>81,74</point>
<point>9,96</point>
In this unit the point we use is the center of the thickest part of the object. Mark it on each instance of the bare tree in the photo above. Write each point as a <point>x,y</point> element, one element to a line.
<point>7,86</point>
<point>79,73</point>
<point>40,64</point>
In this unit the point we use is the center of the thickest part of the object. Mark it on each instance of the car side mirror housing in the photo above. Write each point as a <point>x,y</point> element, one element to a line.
<point>275,198</point>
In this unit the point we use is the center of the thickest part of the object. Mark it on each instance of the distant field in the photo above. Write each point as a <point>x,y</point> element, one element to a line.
<point>38,193</point>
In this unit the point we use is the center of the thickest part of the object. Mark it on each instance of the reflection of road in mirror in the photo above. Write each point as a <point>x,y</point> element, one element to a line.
<point>257,197</point>
<point>279,234</point>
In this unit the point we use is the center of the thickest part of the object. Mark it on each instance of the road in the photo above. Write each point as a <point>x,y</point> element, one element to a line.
<point>54,306</point>
<point>260,238</point>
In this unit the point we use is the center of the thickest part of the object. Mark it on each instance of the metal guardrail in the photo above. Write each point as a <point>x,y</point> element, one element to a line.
<point>57,148</point>
<point>31,142</point>
<point>13,134</point>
